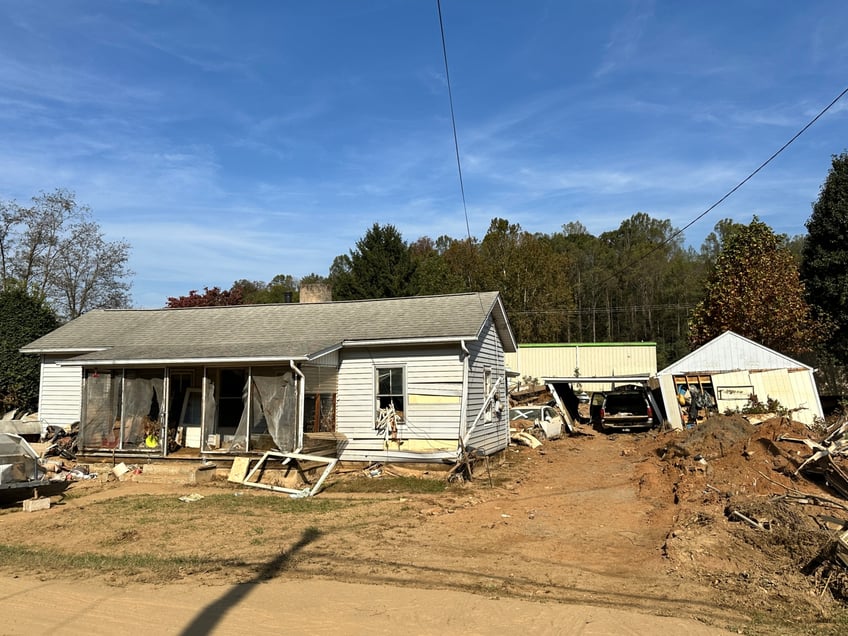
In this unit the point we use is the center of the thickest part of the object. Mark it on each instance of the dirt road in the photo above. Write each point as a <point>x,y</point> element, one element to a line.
<point>306,607</point>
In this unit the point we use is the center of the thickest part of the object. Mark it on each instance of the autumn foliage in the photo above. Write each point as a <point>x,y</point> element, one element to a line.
<point>755,290</point>
<point>209,298</point>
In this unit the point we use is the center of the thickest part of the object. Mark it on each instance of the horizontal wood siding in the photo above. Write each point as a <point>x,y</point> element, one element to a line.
<point>489,437</point>
<point>433,391</point>
<point>60,398</point>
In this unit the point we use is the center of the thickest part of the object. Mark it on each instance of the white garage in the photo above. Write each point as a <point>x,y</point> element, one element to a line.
<point>732,369</point>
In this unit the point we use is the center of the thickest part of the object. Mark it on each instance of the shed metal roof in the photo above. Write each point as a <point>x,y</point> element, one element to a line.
<point>732,352</point>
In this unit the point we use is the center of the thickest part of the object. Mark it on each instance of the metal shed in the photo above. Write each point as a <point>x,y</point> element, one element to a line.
<point>732,369</point>
<point>591,365</point>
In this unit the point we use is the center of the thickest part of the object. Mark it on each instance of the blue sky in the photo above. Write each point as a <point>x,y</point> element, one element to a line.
<point>229,140</point>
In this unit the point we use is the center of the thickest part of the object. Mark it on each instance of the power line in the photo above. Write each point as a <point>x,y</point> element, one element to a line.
<point>616,309</point>
<point>453,120</point>
<point>729,193</point>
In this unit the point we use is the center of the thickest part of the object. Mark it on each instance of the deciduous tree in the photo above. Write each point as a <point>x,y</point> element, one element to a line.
<point>755,290</point>
<point>211,297</point>
<point>532,279</point>
<point>282,288</point>
<point>434,273</point>
<point>55,250</point>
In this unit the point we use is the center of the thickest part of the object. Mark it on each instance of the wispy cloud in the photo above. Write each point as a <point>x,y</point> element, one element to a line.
<point>241,144</point>
<point>626,38</point>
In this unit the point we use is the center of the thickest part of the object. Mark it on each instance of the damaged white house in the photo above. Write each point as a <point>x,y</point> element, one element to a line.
<point>401,379</point>
<point>732,369</point>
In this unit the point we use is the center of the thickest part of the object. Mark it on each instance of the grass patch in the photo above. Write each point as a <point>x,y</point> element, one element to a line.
<point>409,485</point>
<point>156,567</point>
<point>153,566</point>
<point>146,508</point>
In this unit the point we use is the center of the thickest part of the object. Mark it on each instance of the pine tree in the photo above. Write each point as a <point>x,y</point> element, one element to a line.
<point>824,265</point>
<point>379,267</point>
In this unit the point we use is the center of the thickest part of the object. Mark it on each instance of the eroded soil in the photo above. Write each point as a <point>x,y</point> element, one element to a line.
<point>638,522</point>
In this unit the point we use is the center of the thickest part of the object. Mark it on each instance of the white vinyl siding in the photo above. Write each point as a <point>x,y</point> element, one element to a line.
<point>493,435</point>
<point>60,398</point>
<point>320,379</point>
<point>732,390</point>
<point>792,388</point>
<point>433,392</point>
<point>788,388</point>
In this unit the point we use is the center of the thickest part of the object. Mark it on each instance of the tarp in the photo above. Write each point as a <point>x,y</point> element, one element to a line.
<point>18,462</point>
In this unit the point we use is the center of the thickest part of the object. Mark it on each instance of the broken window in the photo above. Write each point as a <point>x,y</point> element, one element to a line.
<point>320,413</point>
<point>123,410</point>
<point>143,409</point>
<point>100,426</point>
<point>391,394</point>
<point>232,399</point>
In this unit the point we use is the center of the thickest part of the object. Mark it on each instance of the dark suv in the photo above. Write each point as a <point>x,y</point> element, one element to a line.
<point>624,408</point>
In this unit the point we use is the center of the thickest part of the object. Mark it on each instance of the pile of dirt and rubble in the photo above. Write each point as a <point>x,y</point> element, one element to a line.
<point>750,520</point>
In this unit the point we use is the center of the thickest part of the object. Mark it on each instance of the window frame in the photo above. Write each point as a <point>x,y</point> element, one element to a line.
<point>401,412</point>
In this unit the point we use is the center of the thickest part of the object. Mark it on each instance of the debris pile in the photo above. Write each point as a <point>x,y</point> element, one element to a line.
<point>536,415</point>
<point>60,442</point>
<point>781,493</point>
<point>20,422</point>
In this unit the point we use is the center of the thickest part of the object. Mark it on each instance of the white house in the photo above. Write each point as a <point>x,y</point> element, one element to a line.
<point>400,379</point>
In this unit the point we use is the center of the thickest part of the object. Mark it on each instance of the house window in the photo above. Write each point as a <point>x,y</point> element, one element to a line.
<point>319,414</point>
<point>390,392</point>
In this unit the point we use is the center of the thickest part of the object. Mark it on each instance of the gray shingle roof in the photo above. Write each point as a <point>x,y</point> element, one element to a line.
<point>272,331</point>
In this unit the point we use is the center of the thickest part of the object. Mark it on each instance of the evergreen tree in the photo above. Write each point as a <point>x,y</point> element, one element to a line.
<point>379,267</point>
<point>824,265</point>
<point>23,318</point>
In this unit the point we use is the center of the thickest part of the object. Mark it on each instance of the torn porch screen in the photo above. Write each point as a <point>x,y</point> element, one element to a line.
<point>101,403</point>
<point>143,405</point>
<point>271,420</point>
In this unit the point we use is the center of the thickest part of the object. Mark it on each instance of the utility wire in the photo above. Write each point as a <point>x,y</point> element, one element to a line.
<point>453,120</point>
<point>734,189</point>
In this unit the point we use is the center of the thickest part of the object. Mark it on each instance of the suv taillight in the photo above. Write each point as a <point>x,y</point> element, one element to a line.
<point>603,414</point>
<point>650,413</point>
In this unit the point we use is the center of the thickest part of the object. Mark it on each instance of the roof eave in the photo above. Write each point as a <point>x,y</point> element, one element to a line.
<point>62,350</point>
<point>385,342</point>
<point>127,362</point>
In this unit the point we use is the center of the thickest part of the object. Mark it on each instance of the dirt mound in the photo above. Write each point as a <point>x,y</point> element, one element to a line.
<point>747,523</point>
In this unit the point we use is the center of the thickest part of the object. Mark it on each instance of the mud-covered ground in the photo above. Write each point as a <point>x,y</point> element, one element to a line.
<point>650,523</point>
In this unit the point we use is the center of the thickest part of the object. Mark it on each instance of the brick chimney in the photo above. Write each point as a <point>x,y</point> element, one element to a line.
<point>316,293</point>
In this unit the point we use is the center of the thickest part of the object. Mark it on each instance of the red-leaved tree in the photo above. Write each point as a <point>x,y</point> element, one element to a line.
<point>209,298</point>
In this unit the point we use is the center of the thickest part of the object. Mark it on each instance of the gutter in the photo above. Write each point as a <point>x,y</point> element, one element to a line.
<point>176,361</point>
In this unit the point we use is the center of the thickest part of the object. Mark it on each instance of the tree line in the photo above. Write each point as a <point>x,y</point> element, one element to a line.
<point>636,283</point>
